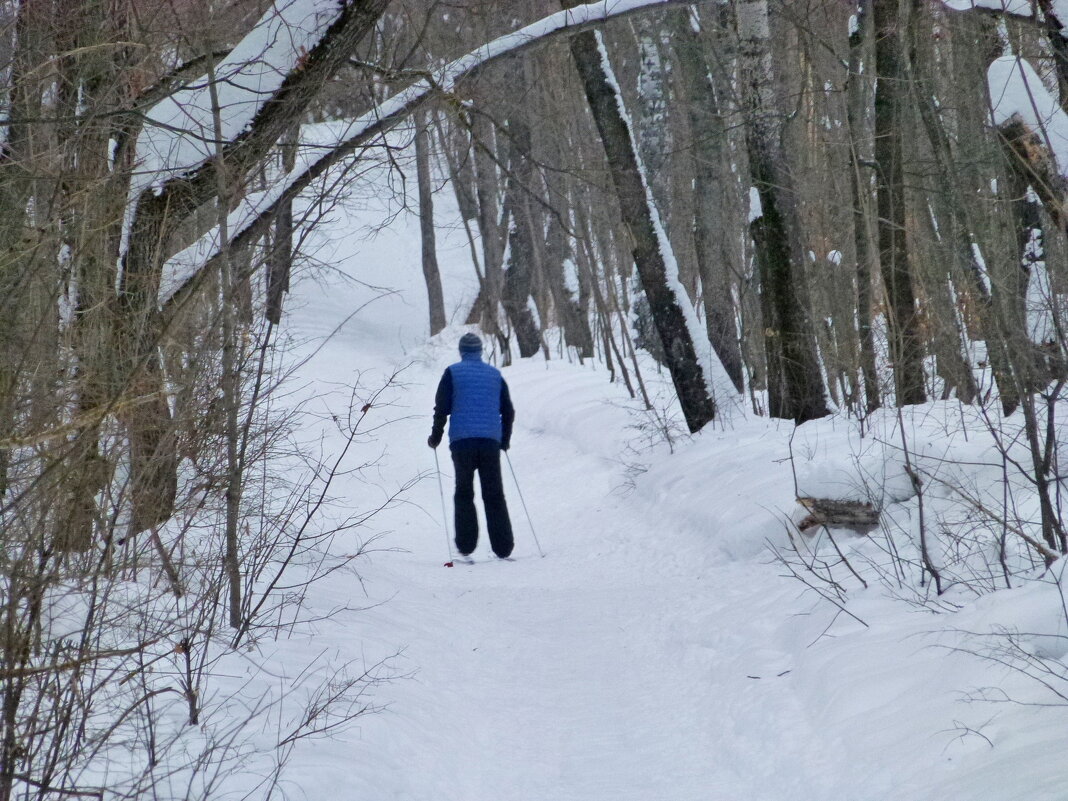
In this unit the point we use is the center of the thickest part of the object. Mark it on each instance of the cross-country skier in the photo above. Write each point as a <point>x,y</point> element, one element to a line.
<point>475,396</point>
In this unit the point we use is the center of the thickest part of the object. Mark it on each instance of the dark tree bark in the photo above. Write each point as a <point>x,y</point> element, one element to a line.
<point>492,225</point>
<point>689,379</point>
<point>962,224</point>
<point>91,84</point>
<point>906,341</point>
<point>571,307</point>
<point>858,103</point>
<point>431,275</point>
<point>524,236</point>
<point>280,260</point>
<point>795,383</point>
<point>16,185</point>
<point>718,256</point>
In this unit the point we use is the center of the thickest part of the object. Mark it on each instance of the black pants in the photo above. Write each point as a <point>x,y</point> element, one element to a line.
<point>485,457</point>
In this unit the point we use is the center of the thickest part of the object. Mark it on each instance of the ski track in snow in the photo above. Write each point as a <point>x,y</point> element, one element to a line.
<point>613,668</point>
<point>618,667</point>
<point>656,652</point>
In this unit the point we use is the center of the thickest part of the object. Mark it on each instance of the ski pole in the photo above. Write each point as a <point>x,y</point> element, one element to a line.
<point>522,501</point>
<point>444,511</point>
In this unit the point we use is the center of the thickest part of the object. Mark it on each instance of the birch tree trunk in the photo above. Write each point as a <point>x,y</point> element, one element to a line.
<point>795,382</point>
<point>715,189</point>
<point>650,247</point>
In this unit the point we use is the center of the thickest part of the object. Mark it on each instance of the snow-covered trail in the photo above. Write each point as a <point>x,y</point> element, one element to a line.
<point>656,652</point>
<point>637,660</point>
<point>610,669</point>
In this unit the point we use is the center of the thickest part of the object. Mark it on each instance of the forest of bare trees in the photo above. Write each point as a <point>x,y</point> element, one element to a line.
<point>798,207</point>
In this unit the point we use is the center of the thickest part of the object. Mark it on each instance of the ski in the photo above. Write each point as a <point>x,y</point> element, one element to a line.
<point>467,560</point>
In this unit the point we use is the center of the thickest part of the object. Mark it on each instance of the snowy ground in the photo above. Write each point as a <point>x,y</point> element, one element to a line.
<point>656,651</point>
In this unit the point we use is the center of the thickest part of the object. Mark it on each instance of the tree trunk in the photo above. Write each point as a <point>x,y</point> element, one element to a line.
<point>859,91</point>
<point>568,285</point>
<point>962,224</point>
<point>906,342</point>
<point>280,260</point>
<point>231,372</point>
<point>525,237</point>
<point>431,275</point>
<point>491,229</point>
<point>795,382</point>
<point>91,84</point>
<point>692,383</point>
<point>719,253</point>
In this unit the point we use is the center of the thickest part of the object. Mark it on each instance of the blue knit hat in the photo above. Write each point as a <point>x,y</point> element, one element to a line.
<point>470,343</point>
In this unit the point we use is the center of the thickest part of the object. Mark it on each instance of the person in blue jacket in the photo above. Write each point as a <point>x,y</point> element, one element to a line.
<point>475,397</point>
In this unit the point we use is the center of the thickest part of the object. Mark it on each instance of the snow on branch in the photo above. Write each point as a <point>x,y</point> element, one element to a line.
<point>182,272</point>
<point>1017,93</point>
<point>1019,8</point>
<point>264,88</point>
<point>178,132</point>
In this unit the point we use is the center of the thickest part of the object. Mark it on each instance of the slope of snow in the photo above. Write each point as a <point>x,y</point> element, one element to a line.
<point>657,651</point>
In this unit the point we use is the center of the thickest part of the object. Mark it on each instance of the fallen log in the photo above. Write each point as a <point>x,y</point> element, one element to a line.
<point>858,515</point>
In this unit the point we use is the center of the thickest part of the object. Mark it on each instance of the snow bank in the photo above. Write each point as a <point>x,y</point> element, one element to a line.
<point>676,658</point>
<point>1017,91</point>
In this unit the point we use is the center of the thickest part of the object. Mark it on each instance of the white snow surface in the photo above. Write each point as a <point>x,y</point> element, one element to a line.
<point>179,131</point>
<point>656,651</point>
<point>756,208</point>
<point>1016,90</point>
<point>1018,7</point>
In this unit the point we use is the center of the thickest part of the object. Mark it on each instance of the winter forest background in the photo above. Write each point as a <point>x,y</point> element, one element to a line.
<point>781,284</point>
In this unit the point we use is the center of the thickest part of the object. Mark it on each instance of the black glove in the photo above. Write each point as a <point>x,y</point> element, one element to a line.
<point>433,440</point>
<point>505,445</point>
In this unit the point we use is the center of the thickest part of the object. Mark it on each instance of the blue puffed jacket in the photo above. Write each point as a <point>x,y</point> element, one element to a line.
<point>475,397</point>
